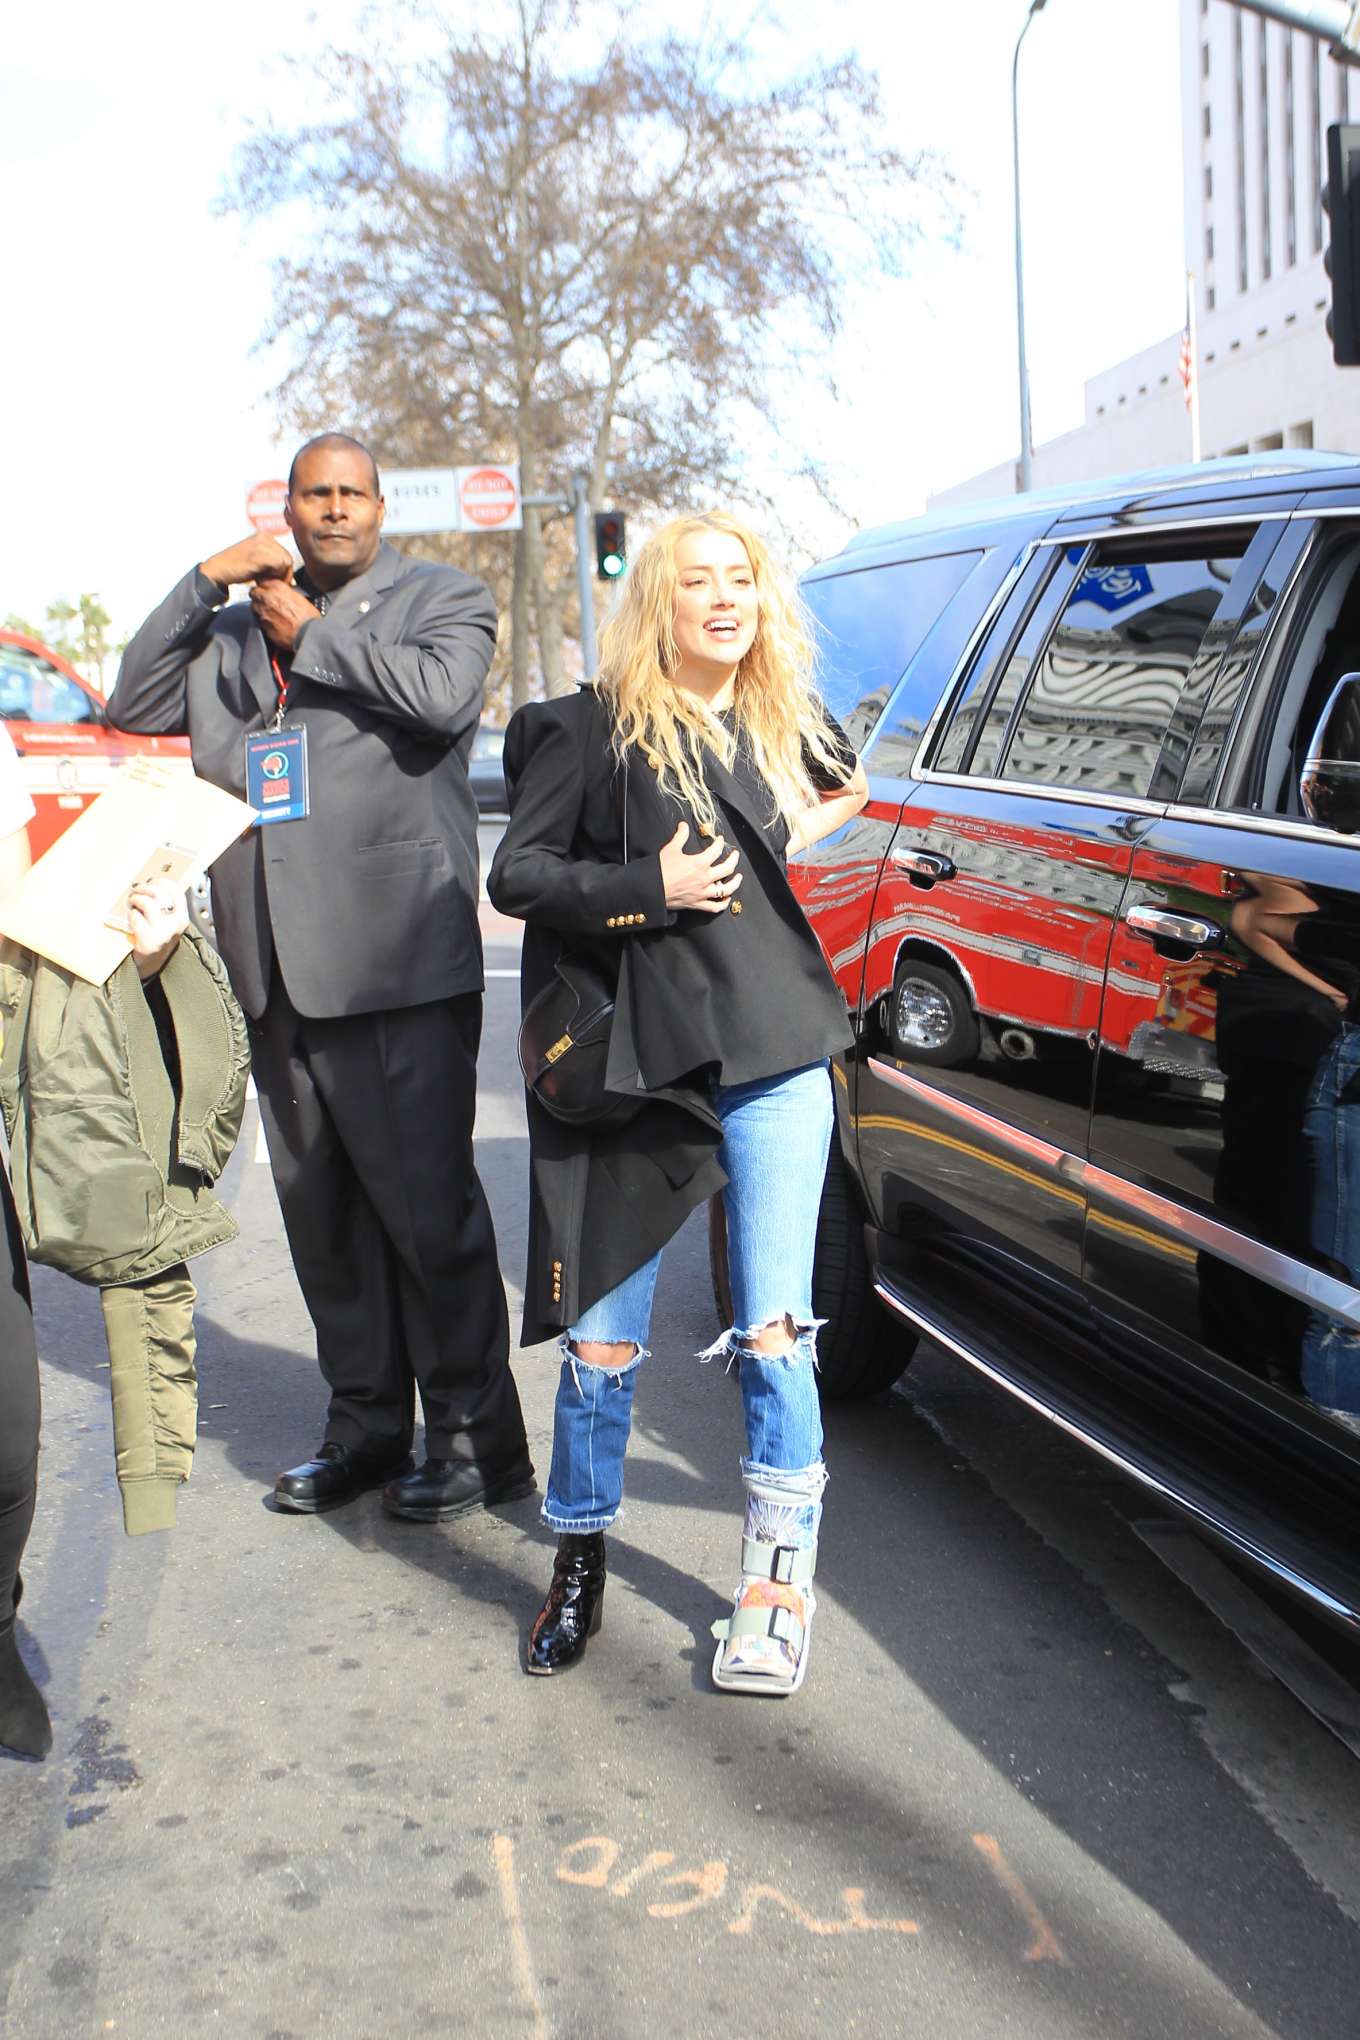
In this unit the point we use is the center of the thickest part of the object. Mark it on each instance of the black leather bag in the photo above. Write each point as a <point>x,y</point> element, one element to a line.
<point>564,1047</point>
<point>564,1040</point>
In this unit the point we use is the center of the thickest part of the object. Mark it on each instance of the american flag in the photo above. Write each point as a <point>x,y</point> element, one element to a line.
<point>1186,366</point>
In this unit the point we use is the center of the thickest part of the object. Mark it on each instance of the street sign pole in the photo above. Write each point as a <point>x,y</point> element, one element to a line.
<point>579,505</point>
<point>1024,478</point>
<point>580,509</point>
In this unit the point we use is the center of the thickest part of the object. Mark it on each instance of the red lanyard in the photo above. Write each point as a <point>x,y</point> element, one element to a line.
<point>282,686</point>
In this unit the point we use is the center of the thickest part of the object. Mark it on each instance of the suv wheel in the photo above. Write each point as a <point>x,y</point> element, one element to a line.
<point>860,1349</point>
<point>931,1019</point>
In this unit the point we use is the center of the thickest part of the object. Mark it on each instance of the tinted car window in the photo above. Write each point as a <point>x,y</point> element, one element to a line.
<point>32,690</point>
<point>1263,712</point>
<point>951,754</point>
<point>1106,687</point>
<point>870,624</point>
<point>1011,685</point>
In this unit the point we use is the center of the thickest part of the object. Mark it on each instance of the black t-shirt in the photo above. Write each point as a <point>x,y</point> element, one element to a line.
<point>753,786</point>
<point>763,1015</point>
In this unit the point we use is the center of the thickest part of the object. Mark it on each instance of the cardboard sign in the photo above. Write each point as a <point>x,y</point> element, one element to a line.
<point>154,812</point>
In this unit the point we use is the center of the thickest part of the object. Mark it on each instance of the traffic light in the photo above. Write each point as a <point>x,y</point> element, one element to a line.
<point>1342,260</point>
<point>610,555</point>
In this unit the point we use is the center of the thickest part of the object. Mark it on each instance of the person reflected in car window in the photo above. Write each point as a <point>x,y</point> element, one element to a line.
<point>1287,1047</point>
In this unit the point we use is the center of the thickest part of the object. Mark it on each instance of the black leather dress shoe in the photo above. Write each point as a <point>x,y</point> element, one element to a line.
<point>336,1475</point>
<point>455,1487</point>
<point>571,1614</point>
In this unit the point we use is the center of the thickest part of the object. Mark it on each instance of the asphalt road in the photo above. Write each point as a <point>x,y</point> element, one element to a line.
<point>300,1786</point>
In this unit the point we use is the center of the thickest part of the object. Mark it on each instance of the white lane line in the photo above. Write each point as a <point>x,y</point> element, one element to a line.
<point>500,973</point>
<point>261,1144</point>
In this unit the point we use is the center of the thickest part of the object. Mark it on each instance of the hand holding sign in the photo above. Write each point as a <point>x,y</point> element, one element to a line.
<point>157,917</point>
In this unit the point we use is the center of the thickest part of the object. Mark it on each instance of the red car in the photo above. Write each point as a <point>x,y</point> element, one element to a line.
<point>57,721</point>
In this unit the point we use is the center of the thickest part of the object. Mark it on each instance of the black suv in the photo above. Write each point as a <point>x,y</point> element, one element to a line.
<point>1099,929</point>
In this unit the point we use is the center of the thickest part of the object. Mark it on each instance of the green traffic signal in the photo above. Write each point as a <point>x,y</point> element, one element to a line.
<point>611,553</point>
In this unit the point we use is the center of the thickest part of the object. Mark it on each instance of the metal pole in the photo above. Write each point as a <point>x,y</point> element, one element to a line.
<point>1192,387</point>
<point>1026,466</point>
<point>580,506</point>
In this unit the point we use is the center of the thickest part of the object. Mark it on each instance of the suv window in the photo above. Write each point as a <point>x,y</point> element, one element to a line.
<point>870,624</point>
<point>1105,689</point>
<point>1319,642</point>
<point>965,715</point>
<point>983,714</point>
<point>32,690</point>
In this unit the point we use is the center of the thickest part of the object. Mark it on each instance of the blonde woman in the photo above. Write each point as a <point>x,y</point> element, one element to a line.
<point>650,820</point>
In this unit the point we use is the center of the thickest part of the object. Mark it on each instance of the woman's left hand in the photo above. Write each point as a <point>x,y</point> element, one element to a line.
<point>157,916</point>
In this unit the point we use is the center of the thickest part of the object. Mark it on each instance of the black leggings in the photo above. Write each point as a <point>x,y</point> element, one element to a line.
<point>19,1406</point>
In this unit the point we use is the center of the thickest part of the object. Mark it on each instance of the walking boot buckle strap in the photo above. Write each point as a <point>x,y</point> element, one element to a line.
<point>779,1621</point>
<point>785,1563</point>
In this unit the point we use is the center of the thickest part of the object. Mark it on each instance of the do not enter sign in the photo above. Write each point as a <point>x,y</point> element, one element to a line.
<point>264,507</point>
<point>488,498</point>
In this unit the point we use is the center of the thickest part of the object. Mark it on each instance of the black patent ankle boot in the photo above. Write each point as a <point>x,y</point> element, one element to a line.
<point>571,1613</point>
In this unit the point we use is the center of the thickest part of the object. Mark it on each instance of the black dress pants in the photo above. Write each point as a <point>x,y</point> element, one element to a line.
<point>19,1404</point>
<point>369,1122</point>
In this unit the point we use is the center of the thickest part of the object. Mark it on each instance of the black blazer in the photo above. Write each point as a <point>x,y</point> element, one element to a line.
<point>371,901</point>
<point>601,1203</point>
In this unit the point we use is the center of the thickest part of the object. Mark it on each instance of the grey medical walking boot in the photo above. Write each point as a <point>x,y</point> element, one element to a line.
<point>763,1645</point>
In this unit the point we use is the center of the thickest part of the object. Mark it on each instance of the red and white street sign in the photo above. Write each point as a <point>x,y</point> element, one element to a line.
<point>488,498</point>
<point>481,498</point>
<point>264,507</point>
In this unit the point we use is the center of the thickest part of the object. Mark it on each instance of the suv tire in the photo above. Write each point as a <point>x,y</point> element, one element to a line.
<point>860,1349</point>
<point>930,1017</point>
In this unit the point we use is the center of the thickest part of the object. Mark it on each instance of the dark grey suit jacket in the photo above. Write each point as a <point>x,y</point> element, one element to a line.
<point>371,901</point>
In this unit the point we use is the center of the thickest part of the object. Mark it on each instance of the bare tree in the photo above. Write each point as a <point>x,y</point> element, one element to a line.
<point>595,251</point>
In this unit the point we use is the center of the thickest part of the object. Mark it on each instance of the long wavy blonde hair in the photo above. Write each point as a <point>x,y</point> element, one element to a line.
<point>775,707</point>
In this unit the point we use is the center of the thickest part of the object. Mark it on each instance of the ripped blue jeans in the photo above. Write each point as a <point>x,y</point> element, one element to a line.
<point>776,1133</point>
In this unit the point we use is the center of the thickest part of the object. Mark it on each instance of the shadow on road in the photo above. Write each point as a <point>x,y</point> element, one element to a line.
<point>929,1579</point>
<point>939,1606</point>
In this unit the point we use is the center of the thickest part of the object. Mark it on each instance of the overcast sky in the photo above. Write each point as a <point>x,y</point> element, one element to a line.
<point>136,407</point>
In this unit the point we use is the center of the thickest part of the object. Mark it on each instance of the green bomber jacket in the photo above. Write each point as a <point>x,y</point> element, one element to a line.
<point>122,1105</point>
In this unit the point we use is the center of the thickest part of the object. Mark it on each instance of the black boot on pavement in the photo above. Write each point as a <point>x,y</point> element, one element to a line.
<point>24,1724</point>
<point>456,1487</point>
<point>336,1475</point>
<point>571,1614</point>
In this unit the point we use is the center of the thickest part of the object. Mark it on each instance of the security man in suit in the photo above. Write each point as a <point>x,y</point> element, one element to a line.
<point>342,704</point>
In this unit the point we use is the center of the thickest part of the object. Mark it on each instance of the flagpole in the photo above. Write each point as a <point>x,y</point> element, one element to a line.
<point>1192,389</point>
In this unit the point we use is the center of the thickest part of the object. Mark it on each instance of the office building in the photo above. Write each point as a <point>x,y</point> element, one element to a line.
<point>1256,101</point>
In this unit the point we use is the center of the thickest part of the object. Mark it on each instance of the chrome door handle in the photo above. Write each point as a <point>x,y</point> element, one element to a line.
<point>922,863</point>
<point>1187,929</point>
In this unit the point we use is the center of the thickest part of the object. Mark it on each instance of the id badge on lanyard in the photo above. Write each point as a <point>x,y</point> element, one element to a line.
<point>276,765</point>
